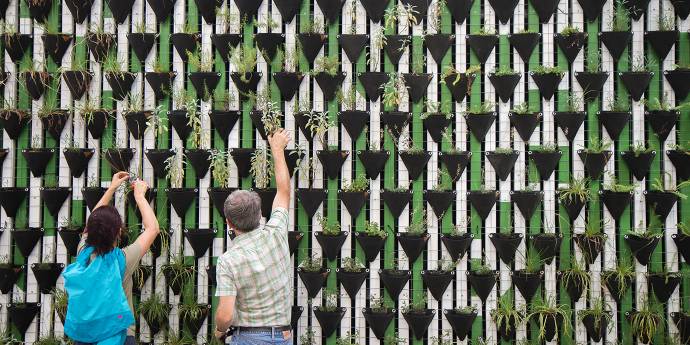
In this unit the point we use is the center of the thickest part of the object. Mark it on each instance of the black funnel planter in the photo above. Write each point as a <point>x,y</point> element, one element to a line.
<point>636,83</point>
<point>545,9</point>
<point>415,162</point>
<point>331,9</point>
<point>479,124</point>
<point>268,43</point>
<point>224,121</point>
<point>613,285</point>
<point>662,122</point>
<point>313,281</point>
<point>571,45</point>
<point>438,45</point>
<point>596,329</point>
<point>663,285</point>
<point>505,85</point>
<point>120,9</point>
<point>395,47</point>
<point>525,124</point>
<point>329,84</point>
<point>455,162</point>
<point>329,320</point>
<point>9,274</point>
<point>330,245</point>
<point>547,83</point>
<point>373,161</point>
<point>77,82</point>
<point>223,43</point>
<point>680,160</point>
<point>616,202</point>
<point>92,195</point>
<point>592,83</point>
<point>413,245</point>
<point>181,199</point>
<point>419,322</point>
<point>288,9</point>
<point>592,8</point>
<point>614,122</point>
<point>22,314</point>
<point>119,158</point>
<point>311,43</point>
<point>39,10</point>
<point>437,282</point>
<point>242,158</point>
<point>11,198</point>
<point>157,158</point>
<point>16,45</point>
<point>185,44</point>
<point>641,247</point>
<point>77,160</point>
<point>482,45</point>
<point>353,45</point>
<point>482,201</point>
<point>199,159</point>
<point>37,159</point>
<point>311,199</point>
<point>396,201</point>
<point>55,45</point>
<point>594,162</point>
<point>590,246</point>
<point>121,83</point>
<point>417,85</point>
<point>99,120</point>
<point>545,162</point>
<point>527,283</point>
<point>616,42</point>
<point>47,275</point>
<point>506,331</point>
<point>218,196</point>
<point>636,8</point>
<point>371,245</point>
<point>459,10</point>
<point>660,202</point>
<point>524,43</point>
<point>506,245</point>
<point>161,8</point>
<point>201,240</point>
<point>375,8</point>
<point>36,83</point>
<point>459,84</point>
<point>351,281</point>
<point>372,83</point>
<point>54,197</point>
<point>548,245</point>
<point>295,314</point>
<point>396,121</point>
<point>248,8</point>
<point>574,287</point>
<point>13,121</point>
<point>678,80</point>
<point>482,283</point>
<point>461,322</point>
<point>682,10</point>
<point>457,246</point>
<point>26,239</point>
<point>54,122</point>
<point>175,284</point>
<point>420,6</point>
<point>394,281</point>
<point>378,321</point>
<point>207,9</point>
<point>141,43</point>
<point>160,83</point>
<point>205,82</point>
<point>180,123</point>
<point>137,122</point>
<point>302,119</point>
<point>439,200</point>
<point>354,122</point>
<point>569,122</point>
<point>504,9</point>
<point>80,9</point>
<point>193,324</point>
<point>288,83</point>
<point>503,163</point>
<point>682,322</point>
<point>332,161</point>
<point>256,117</point>
<point>70,238</point>
<point>294,238</point>
<point>527,202</point>
<point>100,45</point>
<point>436,124</point>
<point>353,201</point>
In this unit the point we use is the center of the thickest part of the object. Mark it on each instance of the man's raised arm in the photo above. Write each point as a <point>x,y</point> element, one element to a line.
<point>278,141</point>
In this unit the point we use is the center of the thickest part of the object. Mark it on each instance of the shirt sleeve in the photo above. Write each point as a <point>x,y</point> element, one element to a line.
<point>225,280</point>
<point>133,254</point>
<point>278,222</point>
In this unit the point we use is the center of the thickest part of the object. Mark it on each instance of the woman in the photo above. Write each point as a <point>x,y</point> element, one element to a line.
<point>103,229</point>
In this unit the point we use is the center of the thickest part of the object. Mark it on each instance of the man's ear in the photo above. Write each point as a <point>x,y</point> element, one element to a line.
<point>230,225</point>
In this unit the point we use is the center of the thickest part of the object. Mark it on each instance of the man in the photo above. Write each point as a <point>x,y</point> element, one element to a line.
<point>253,276</point>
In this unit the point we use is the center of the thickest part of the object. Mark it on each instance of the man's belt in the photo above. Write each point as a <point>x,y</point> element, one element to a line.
<point>262,329</point>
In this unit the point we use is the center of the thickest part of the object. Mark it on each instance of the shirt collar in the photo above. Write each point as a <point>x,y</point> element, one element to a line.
<point>245,237</point>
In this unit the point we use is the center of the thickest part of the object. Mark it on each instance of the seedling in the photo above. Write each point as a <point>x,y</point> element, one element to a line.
<point>175,169</point>
<point>261,167</point>
<point>374,230</point>
<point>327,64</point>
<point>392,96</point>
<point>620,20</point>
<point>330,303</point>
<point>200,62</point>
<point>359,184</point>
<point>219,167</point>
<point>578,190</point>
<point>311,264</point>
<point>329,229</point>
<point>352,265</point>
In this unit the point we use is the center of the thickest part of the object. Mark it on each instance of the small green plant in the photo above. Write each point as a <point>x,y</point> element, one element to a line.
<point>60,302</point>
<point>244,59</point>
<point>547,310</point>
<point>541,69</point>
<point>659,185</point>
<point>597,145</point>
<point>598,310</point>
<point>330,302</point>
<point>318,124</point>
<point>271,117</point>
<point>155,310</point>
<point>311,264</point>
<point>545,147</point>
<point>48,340</point>
<point>640,148</point>
<point>201,62</point>
<point>619,104</point>
<point>219,167</point>
<point>392,95</point>
<point>570,30</point>
<point>645,321</point>
<point>308,337</point>
<point>379,305</point>
<point>142,271</point>
<point>505,315</point>
<point>620,17</point>
<point>479,267</point>
<point>487,107</point>
<point>485,31</point>
<point>175,169</point>
<point>577,276</point>
<point>522,109</point>
<point>667,21</point>
<point>352,265</point>
<point>641,64</point>
<point>504,71</point>
<point>329,229</point>
<point>400,15</point>
<point>615,186</point>
<point>578,190</point>
<point>191,311</point>
<point>114,65</point>
<point>394,339</point>
<point>418,228</point>
<point>349,338</point>
<point>417,306</point>
<point>156,124</point>
<point>374,230</point>
<point>261,167</point>
<point>359,184</point>
<point>623,274</point>
<point>533,261</point>
<point>327,64</point>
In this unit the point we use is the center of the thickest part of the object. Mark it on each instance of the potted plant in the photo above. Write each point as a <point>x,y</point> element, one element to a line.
<point>642,243</point>
<point>186,40</point>
<point>331,238</point>
<point>355,194</point>
<point>77,78</point>
<point>13,120</point>
<point>95,117</point>
<point>528,280</point>
<point>639,159</point>
<point>576,279</point>
<point>596,319</point>
<point>396,199</point>
<point>119,157</point>
<point>574,197</point>
<point>141,42</point>
<point>418,316</point>
<point>504,79</point>
<point>618,279</point>
<point>524,41</point>
<point>222,117</point>
<point>378,315</point>
<point>267,117</point>
<point>158,158</point>
<point>47,273</point>
<point>664,283</point>
<point>547,79</point>
<point>483,200</point>
<point>437,280</point>
<point>454,160</point>
<point>618,35</point>
<point>679,155</point>
<point>436,120</point>
<point>374,160</point>
<point>77,158</point>
<point>662,198</point>
<point>394,279</point>
<point>663,39</point>
<point>135,116</point>
<point>9,273</point>
<point>616,197</point>
<point>139,277</point>
<point>595,157</point>
<point>371,240</point>
<point>180,198</point>
<point>459,83</point>
<point>645,321</point>
<point>16,44</point>
<point>92,192</point>
<point>506,317</point>
<point>193,315</point>
<point>441,196</point>
<point>328,314</point>
<point>156,312</point>
<point>591,80</point>
<point>268,43</point>
<point>351,275</point>
<point>547,245</point>
<point>53,196</point>
<point>327,76</point>
<point>414,240</point>
<point>160,79</point>
<point>100,43</point>
<point>461,319</point>
<point>571,40</point>
<point>220,172</point>
<point>22,314</point>
<point>417,82</point>
<point>571,119</point>
<point>52,118</point>
<point>59,305</point>
<point>662,116</point>
<point>310,198</point>
<point>527,201</point>
<point>482,43</point>
<point>591,241</point>
<point>203,78</point>
<point>502,160</point>
<point>177,273</point>
<point>506,244</point>
<point>313,274</point>
<point>312,39</point>
<point>261,169</point>
<point>394,121</point>
<point>413,157</point>
<point>39,9</point>
<point>682,240</point>
<point>331,158</point>
<point>120,80</point>
<point>676,76</point>
<point>482,278</point>
<point>550,317</point>
<point>479,119</point>
<point>637,79</point>
<point>35,81</point>
<point>457,242</point>
<point>394,46</point>
<point>524,120</point>
<point>289,79</point>
<point>373,82</point>
<point>37,157</point>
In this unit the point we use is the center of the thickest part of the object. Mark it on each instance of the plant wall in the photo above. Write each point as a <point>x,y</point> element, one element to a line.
<point>463,170</point>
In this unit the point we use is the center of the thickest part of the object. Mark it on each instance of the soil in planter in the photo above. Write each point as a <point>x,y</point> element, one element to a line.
<point>371,245</point>
<point>394,281</point>
<point>412,245</point>
<point>313,281</point>
<point>506,245</point>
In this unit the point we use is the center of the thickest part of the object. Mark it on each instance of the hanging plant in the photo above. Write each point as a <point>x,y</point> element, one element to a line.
<point>418,316</point>
<point>527,202</point>
<point>328,314</point>
<point>331,238</point>
<point>550,317</point>
<point>576,280</point>
<point>525,41</point>
<point>529,279</point>
<point>371,240</point>
<point>547,79</point>
<point>378,315</point>
<point>313,274</point>
<point>53,119</point>
<point>661,198</point>
<point>55,43</point>
<point>506,245</point>
<point>457,242</point>
<point>592,80</point>
<point>245,78</point>
<point>13,120</point>
<point>396,200</point>
<point>571,40</point>
<point>135,116</point>
<point>177,273</point>
<point>595,157</point>
<point>186,40</point>
<point>100,43</point>
<point>203,79</point>
<point>36,82</point>
<point>482,43</point>
<point>394,279</point>
<point>618,279</point>
<point>327,76</point>
<point>352,275</point>
<point>139,277</point>
<point>574,197</point>
<point>355,194</point>
<point>664,284</point>
<point>524,120</point>
<point>95,118</point>
<point>642,243</point>
<point>156,312</point>
<point>591,242</point>
<point>141,41</point>
<point>502,160</point>
<point>459,83</point>
<point>59,305</point>
<point>482,278</point>
<point>193,315</point>
<point>638,78</point>
<point>37,157</point>
<point>645,321</point>
<point>596,319</point>
<point>437,280</point>
<point>506,317</point>
<point>619,35</point>
<point>504,81</point>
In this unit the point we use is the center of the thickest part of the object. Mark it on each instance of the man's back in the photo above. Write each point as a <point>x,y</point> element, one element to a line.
<point>256,269</point>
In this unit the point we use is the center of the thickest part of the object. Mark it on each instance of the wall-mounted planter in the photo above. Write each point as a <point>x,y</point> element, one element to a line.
<point>440,200</point>
<point>332,161</point>
<point>224,121</point>
<point>47,275</point>
<point>180,123</point>
<point>421,8</point>
<point>162,8</point>
<point>616,202</point>
<point>207,9</point>
<point>394,280</point>
<point>378,320</point>
<point>119,158</point>
<point>437,282</point>
<point>461,322</point>
<point>682,322</point>
<point>375,8</point>
<point>594,162</point>
<point>313,281</point>
<point>415,162</point>
<point>506,245</point>
<point>181,199</point>
<point>663,285</point>
<point>592,83</point>
<point>419,321</point>
<point>438,45</point>
<point>353,201</point>
<point>218,196</point>
<point>150,195</point>
<point>373,161</point>
<point>547,83</point>
<point>248,8</point>
<point>77,82</point>
<point>616,42</point>
<point>157,158</point>
<point>483,201</point>
<point>294,238</point>
<point>120,9</point>
<point>412,244</point>
<point>22,314</point>
<point>160,83</point>
<point>37,159</point>
<point>545,9</point>
<point>157,245</point>
<point>330,245</point>
<point>545,162</point>
<point>436,124</point>
<point>268,43</point>
<point>614,122</point>
<point>479,124</point>
<point>548,245</point>
<point>396,200</point>
<point>185,44</point>
<point>246,83</point>
<point>525,124</point>
<point>224,42</point>
<point>26,239</point>
<point>53,198</point>
<point>569,122</point>
<point>373,83</point>
<point>502,163</point>
<point>482,283</point>
<point>173,279</point>
<point>16,45</point>
<point>459,84</point>
<point>92,195</point>
<point>527,202</point>
<point>97,121</point>
<point>395,47</point>
<point>100,44</point>
<point>311,43</point>
<point>80,9</point>
<point>311,199</point>
<point>331,9</point>
<point>205,82</point>
<point>636,83</point>
<point>681,161</point>
<point>524,43</point>
<point>13,121</point>
<point>482,45</point>
<point>288,83</point>
<point>39,10</point>
<point>351,281</point>
<point>457,246</point>
<point>302,119</point>
<point>636,8</point>
<point>504,85</point>
<point>353,45</point>
<point>641,247</point>
<point>527,283</point>
<point>141,43</point>
<point>70,238</point>
<point>455,162</point>
<point>8,276</point>
<point>678,79</point>
<point>371,245</point>
<point>199,159</point>
<point>242,158</point>
<point>592,8</point>
<point>616,288</point>
<point>55,45</point>
<point>36,83</point>
<point>201,240</point>
<point>194,322</point>
<point>329,84</point>
<point>354,122</point>
<point>329,320</point>
<point>267,196</point>
<point>662,122</point>
<point>590,246</point>
<point>504,9</point>
<point>506,330</point>
<point>574,286</point>
<point>288,9</point>
<point>54,122</point>
<point>396,121</point>
<point>661,202</point>
<point>137,121</point>
<point>595,327</point>
<point>571,44</point>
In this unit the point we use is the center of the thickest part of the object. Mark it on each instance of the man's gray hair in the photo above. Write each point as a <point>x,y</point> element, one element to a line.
<point>243,209</point>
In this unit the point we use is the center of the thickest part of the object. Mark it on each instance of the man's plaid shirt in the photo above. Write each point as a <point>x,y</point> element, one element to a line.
<point>256,269</point>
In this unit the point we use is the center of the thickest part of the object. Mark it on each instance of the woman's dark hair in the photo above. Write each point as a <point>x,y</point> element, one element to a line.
<point>103,229</point>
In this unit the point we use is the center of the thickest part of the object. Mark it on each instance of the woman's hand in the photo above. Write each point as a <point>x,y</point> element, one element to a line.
<point>139,187</point>
<point>118,178</point>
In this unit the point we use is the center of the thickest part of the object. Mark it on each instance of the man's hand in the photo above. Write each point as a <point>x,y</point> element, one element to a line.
<point>220,335</point>
<point>139,187</point>
<point>279,140</point>
<point>118,178</point>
